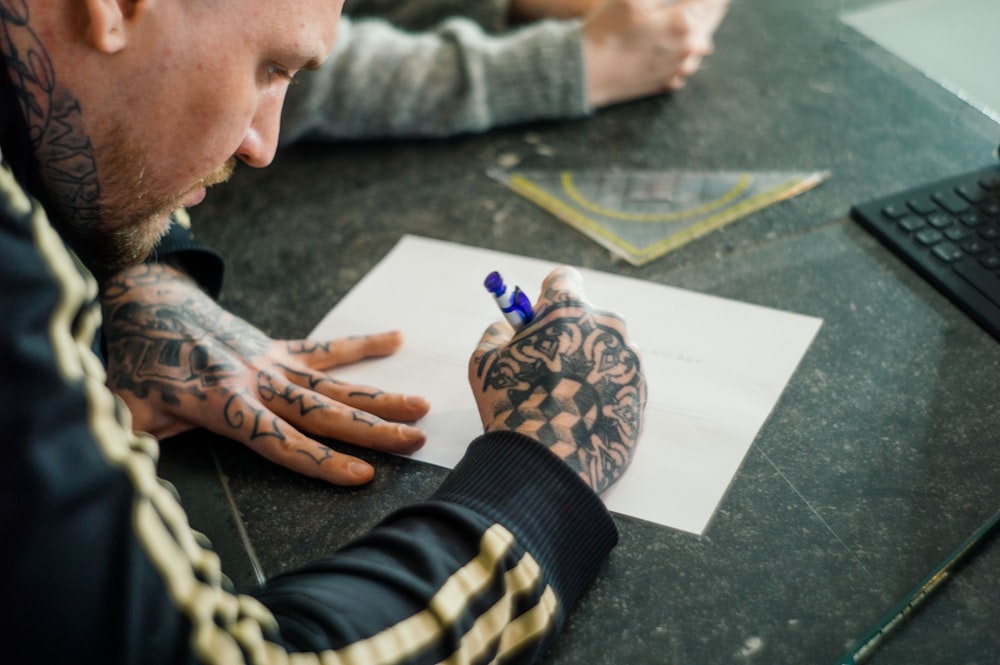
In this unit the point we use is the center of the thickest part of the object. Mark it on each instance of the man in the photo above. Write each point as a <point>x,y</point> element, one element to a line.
<point>440,67</point>
<point>114,114</point>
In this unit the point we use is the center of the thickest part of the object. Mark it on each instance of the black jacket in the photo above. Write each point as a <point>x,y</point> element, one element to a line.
<point>98,563</point>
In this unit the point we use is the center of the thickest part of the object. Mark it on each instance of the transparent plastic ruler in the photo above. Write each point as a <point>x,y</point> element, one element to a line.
<point>642,215</point>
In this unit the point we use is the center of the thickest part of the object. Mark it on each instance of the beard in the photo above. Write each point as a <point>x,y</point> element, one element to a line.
<point>132,213</point>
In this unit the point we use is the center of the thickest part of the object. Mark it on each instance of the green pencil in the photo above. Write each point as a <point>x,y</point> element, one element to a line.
<point>891,619</point>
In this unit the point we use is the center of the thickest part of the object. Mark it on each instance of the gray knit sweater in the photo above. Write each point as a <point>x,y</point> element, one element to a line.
<point>431,68</point>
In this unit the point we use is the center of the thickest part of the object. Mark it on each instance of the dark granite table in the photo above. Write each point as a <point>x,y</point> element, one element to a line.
<point>879,459</point>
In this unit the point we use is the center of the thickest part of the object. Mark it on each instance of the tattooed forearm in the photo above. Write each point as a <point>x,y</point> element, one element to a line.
<point>576,386</point>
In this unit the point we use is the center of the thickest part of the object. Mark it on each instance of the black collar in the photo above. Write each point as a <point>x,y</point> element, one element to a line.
<point>14,141</point>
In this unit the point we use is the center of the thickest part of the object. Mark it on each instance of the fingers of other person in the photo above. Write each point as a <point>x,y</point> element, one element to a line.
<point>706,14</point>
<point>635,48</point>
<point>693,23</point>
<point>522,11</point>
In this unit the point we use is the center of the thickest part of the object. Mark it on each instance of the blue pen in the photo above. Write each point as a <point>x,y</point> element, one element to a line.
<point>515,305</point>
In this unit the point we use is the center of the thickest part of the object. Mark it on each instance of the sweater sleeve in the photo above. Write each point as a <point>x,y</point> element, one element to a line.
<point>409,15</point>
<point>381,81</point>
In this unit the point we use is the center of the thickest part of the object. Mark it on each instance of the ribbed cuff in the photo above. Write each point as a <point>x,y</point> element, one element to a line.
<point>518,483</point>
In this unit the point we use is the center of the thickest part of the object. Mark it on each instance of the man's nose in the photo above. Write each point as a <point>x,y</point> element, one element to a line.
<point>260,141</point>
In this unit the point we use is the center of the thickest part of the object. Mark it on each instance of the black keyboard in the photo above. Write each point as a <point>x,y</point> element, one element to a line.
<point>949,232</point>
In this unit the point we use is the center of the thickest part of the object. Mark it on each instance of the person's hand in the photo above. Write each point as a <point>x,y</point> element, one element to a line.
<point>637,48</point>
<point>569,379</point>
<point>534,10</point>
<point>180,361</point>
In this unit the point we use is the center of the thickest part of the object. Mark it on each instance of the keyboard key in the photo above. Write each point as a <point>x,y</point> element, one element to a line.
<point>956,247</point>
<point>990,182</point>
<point>975,247</point>
<point>947,252</point>
<point>991,208</point>
<point>972,219</point>
<point>928,237</point>
<point>939,220</point>
<point>991,232</point>
<point>895,211</point>
<point>957,233</point>
<point>973,193</point>
<point>911,223</point>
<point>951,202</point>
<point>922,205</point>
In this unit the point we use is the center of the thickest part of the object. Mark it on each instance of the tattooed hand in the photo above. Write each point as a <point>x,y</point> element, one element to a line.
<point>180,361</point>
<point>569,379</point>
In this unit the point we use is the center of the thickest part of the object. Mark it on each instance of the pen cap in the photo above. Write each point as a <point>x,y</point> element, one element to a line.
<point>494,284</point>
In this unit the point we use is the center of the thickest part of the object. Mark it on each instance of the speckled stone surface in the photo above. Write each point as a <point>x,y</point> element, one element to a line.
<point>883,453</point>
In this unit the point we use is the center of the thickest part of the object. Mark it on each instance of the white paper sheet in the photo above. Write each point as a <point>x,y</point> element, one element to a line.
<point>715,368</point>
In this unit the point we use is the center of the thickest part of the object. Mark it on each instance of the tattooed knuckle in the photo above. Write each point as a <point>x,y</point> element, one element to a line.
<point>287,446</point>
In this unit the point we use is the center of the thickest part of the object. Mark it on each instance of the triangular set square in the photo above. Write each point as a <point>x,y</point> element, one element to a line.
<point>642,215</point>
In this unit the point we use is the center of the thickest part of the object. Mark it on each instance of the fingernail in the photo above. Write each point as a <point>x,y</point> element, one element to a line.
<point>410,433</point>
<point>360,469</point>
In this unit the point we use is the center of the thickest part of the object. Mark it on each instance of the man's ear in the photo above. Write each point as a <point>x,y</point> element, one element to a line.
<point>106,24</point>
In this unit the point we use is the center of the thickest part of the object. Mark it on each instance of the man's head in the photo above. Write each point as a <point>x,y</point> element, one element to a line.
<point>135,106</point>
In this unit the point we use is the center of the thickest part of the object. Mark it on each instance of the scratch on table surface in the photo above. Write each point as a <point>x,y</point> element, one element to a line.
<point>814,512</point>
<point>258,569</point>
